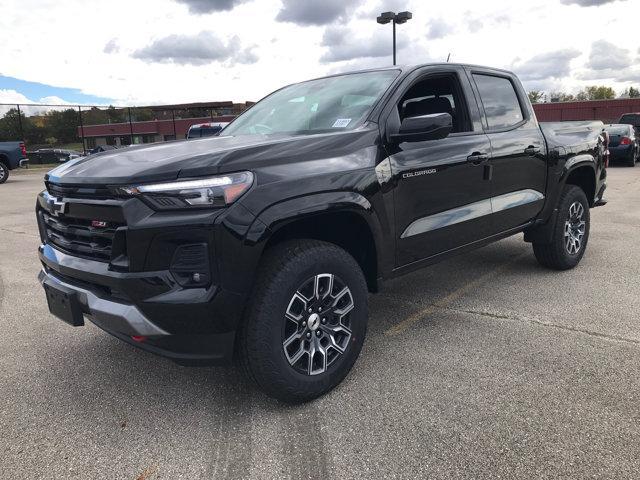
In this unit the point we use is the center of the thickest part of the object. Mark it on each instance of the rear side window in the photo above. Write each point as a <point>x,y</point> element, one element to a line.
<point>500,101</point>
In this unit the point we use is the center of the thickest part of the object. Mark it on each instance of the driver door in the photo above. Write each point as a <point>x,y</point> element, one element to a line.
<point>443,188</point>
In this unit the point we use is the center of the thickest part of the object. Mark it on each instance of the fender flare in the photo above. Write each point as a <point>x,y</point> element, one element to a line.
<point>542,232</point>
<point>575,162</point>
<point>278,215</point>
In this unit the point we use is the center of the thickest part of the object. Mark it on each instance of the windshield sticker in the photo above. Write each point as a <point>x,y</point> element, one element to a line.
<point>341,123</point>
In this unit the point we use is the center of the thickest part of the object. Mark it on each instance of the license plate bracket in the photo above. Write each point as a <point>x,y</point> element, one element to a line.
<point>63,303</point>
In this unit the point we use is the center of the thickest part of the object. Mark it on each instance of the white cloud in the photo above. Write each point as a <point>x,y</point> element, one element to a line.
<point>13,97</point>
<point>439,28</point>
<point>199,49</point>
<point>270,53</point>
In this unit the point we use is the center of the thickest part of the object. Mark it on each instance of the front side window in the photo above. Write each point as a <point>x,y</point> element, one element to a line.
<point>327,104</point>
<point>500,101</point>
<point>436,94</point>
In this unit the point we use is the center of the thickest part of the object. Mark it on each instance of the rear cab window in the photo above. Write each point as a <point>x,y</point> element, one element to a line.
<point>500,101</point>
<point>618,129</point>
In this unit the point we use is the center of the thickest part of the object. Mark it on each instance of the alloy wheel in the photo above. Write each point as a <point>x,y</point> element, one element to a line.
<point>317,326</point>
<point>574,228</point>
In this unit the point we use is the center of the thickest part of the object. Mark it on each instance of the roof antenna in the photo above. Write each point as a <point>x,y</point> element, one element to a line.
<point>448,57</point>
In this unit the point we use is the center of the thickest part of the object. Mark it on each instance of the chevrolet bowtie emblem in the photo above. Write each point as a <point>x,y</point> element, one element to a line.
<point>57,207</point>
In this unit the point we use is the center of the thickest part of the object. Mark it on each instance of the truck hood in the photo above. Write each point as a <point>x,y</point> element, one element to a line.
<point>207,156</point>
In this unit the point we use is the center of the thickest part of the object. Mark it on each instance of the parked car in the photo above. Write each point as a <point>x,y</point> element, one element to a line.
<point>624,145</point>
<point>631,119</point>
<point>102,148</point>
<point>265,242</point>
<point>12,156</point>
<point>59,155</point>
<point>205,129</point>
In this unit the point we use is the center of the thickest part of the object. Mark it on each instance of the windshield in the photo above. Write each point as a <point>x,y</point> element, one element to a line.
<point>326,104</point>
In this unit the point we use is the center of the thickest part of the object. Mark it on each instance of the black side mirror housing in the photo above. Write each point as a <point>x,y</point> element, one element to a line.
<point>424,127</point>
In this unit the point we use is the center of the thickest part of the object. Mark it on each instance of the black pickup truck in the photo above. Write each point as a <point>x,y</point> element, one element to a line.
<point>263,243</point>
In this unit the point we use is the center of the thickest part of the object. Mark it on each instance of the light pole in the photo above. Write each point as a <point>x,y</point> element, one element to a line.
<point>395,18</point>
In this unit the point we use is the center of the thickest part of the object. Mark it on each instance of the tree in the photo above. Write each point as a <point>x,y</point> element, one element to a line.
<point>142,114</point>
<point>535,96</point>
<point>62,125</point>
<point>596,92</point>
<point>10,126</point>
<point>631,93</point>
<point>11,131</point>
<point>561,97</point>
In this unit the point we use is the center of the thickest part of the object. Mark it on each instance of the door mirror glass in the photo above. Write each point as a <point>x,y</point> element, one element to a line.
<point>424,127</point>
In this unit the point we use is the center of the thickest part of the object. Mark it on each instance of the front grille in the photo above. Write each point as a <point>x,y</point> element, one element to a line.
<point>79,191</point>
<point>78,237</point>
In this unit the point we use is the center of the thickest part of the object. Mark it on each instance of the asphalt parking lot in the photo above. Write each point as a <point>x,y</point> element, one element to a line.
<point>486,365</point>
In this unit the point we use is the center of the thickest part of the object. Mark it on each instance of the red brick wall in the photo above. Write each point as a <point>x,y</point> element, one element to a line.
<point>609,111</point>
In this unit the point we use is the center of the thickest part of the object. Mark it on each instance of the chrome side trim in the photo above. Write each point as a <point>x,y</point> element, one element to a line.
<point>515,199</point>
<point>472,211</point>
<point>117,316</point>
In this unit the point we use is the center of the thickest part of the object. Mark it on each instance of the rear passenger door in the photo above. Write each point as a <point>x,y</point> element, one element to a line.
<point>518,155</point>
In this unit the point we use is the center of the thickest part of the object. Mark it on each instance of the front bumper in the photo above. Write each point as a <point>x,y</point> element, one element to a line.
<point>195,328</point>
<point>132,269</point>
<point>111,314</point>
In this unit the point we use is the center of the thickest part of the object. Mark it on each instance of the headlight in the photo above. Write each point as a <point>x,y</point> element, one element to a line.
<point>218,191</point>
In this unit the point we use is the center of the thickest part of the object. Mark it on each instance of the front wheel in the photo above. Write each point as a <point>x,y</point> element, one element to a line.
<point>306,321</point>
<point>570,232</point>
<point>4,172</point>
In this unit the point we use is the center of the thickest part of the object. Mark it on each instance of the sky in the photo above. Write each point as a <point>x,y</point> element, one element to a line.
<point>141,52</point>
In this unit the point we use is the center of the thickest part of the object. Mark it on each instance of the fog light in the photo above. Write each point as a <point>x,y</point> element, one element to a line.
<point>138,338</point>
<point>190,265</point>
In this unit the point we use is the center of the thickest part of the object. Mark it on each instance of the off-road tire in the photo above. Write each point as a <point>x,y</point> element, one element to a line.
<point>556,254</point>
<point>284,268</point>
<point>4,172</point>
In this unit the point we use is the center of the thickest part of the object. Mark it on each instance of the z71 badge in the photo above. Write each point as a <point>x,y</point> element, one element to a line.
<point>419,172</point>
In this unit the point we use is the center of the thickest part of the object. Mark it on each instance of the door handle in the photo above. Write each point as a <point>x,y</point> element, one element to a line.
<point>531,150</point>
<point>477,158</point>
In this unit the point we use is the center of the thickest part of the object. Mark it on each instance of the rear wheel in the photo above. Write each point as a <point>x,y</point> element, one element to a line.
<point>631,161</point>
<point>306,321</point>
<point>570,232</point>
<point>4,172</point>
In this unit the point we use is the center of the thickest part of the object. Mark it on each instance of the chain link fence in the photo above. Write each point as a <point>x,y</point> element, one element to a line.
<point>57,133</point>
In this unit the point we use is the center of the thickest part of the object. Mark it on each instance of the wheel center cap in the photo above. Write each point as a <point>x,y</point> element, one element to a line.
<point>313,322</point>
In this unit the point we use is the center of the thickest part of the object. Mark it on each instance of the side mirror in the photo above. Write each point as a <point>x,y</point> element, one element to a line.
<point>424,127</point>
